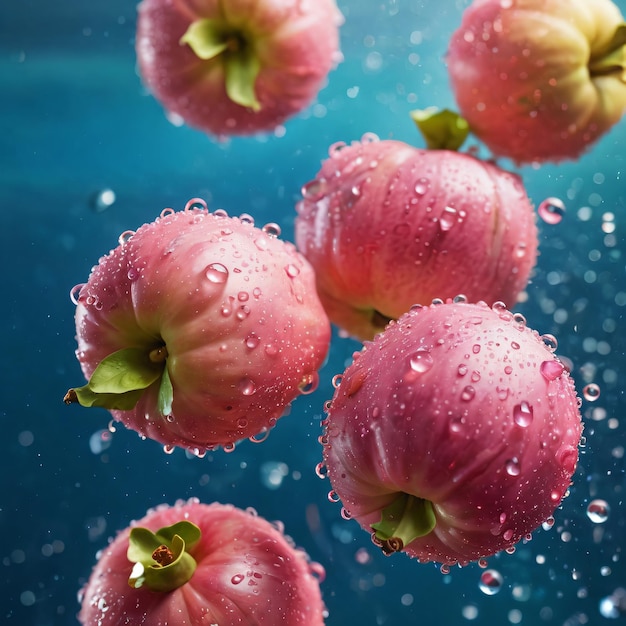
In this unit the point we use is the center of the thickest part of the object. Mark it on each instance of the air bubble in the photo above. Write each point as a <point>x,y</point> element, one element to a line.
<point>125,237</point>
<point>336,148</point>
<point>272,230</point>
<point>314,189</point>
<point>550,341</point>
<point>261,436</point>
<point>166,212</point>
<point>321,471</point>
<point>490,582</point>
<point>196,204</point>
<point>591,392</point>
<point>468,393</point>
<point>216,273</point>
<point>336,380</point>
<point>332,496</point>
<point>237,578</point>
<point>460,299</point>
<point>370,138</point>
<point>75,293</point>
<point>246,218</point>
<point>598,511</point>
<point>551,210</point>
<point>309,383</point>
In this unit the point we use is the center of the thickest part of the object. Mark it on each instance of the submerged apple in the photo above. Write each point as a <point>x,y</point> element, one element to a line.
<point>193,564</point>
<point>539,80</point>
<point>233,68</point>
<point>386,225</point>
<point>453,434</point>
<point>199,329</point>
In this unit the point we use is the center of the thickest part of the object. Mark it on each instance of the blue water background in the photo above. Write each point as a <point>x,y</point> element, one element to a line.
<point>75,120</point>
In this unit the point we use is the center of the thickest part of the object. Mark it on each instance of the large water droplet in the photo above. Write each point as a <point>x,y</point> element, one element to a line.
<point>292,270</point>
<point>551,210</point>
<point>314,189</point>
<point>490,582</point>
<point>421,361</point>
<point>598,511</point>
<point>448,219</point>
<point>512,467</point>
<point>551,370</point>
<point>216,273</point>
<point>523,414</point>
<point>247,387</point>
<point>468,393</point>
<point>591,392</point>
<point>237,578</point>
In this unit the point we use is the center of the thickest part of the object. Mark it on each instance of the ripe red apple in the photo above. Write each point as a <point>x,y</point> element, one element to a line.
<point>193,564</point>
<point>453,434</point>
<point>386,225</point>
<point>539,80</point>
<point>199,329</point>
<point>237,67</point>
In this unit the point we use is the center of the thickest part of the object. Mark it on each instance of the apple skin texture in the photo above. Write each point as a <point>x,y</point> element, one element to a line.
<point>247,573</point>
<point>236,309</point>
<point>538,80</point>
<point>386,225</point>
<point>461,405</point>
<point>296,43</point>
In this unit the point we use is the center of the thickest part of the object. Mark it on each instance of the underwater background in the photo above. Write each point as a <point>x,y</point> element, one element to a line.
<point>86,153</point>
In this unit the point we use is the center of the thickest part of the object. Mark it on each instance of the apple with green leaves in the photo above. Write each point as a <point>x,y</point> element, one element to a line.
<point>193,564</point>
<point>387,225</point>
<point>236,67</point>
<point>454,434</point>
<point>539,80</point>
<point>199,329</point>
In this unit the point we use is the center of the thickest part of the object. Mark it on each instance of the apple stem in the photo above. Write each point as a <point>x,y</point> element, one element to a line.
<point>163,555</point>
<point>158,355</point>
<point>405,519</point>
<point>612,59</point>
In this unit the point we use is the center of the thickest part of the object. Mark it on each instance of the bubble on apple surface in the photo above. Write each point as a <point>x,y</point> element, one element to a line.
<point>421,361</point>
<point>314,189</point>
<point>75,293</point>
<point>551,210</point>
<point>513,468</point>
<point>448,219</point>
<point>523,414</point>
<point>125,237</point>
<point>490,582</point>
<point>272,229</point>
<point>598,511</point>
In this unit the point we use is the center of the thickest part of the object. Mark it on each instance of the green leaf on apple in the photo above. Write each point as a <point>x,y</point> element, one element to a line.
<point>166,393</point>
<point>242,69</point>
<point>206,38</point>
<point>442,129</point>
<point>161,560</point>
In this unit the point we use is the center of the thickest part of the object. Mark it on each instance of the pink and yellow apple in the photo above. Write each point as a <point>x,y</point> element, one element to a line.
<point>386,225</point>
<point>236,68</point>
<point>193,564</point>
<point>199,329</point>
<point>453,434</point>
<point>539,80</point>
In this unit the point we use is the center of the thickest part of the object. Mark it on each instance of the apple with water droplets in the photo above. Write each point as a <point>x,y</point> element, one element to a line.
<point>199,329</point>
<point>236,68</point>
<point>194,563</point>
<point>539,80</point>
<point>454,434</point>
<point>387,225</point>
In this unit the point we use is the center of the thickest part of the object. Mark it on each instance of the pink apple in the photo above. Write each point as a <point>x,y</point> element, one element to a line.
<point>453,434</point>
<point>386,226</point>
<point>539,80</point>
<point>237,67</point>
<point>199,329</point>
<point>193,564</point>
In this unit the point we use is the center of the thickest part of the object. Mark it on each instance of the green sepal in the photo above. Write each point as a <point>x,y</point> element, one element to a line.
<point>612,58</point>
<point>116,401</point>
<point>441,129</point>
<point>206,38</point>
<point>405,519</point>
<point>210,39</point>
<point>166,393</point>
<point>147,572</point>
<point>128,369</point>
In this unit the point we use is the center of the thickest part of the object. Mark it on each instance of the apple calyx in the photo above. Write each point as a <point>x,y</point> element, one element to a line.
<point>121,378</point>
<point>612,58</point>
<point>405,519</point>
<point>161,560</point>
<point>442,129</point>
<point>216,39</point>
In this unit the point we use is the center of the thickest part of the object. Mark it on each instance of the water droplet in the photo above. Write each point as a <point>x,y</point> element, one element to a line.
<point>456,424</point>
<point>220,213</point>
<point>292,270</point>
<point>168,449</point>
<point>75,293</point>
<point>551,210</point>
<point>550,341</point>
<point>519,319</point>
<point>462,369</point>
<point>490,582</point>
<point>332,496</point>
<point>166,212</point>
<point>103,200</point>
<point>468,393</point>
<point>246,218</point>
<point>551,370</point>
<point>462,299</point>
<point>370,138</point>
<point>309,383</point>
<point>252,341</point>
<point>448,219</point>
<point>591,392</point>
<point>523,414</point>
<point>421,186</point>
<point>512,467</point>
<point>314,189</point>
<point>336,380</point>
<point>476,348</point>
<point>196,204</point>
<point>247,387</point>
<point>125,237</point>
<point>336,148</point>
<point>243,296</point>
<point>321,470</point>
<point>261,436</point>
<point>237,578</point>
<point>598,511</point>
<point>515,345</point>
<point>421,361</point>
<point>243,312</point>
<point>216,273</point>
<point>272,230</point>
